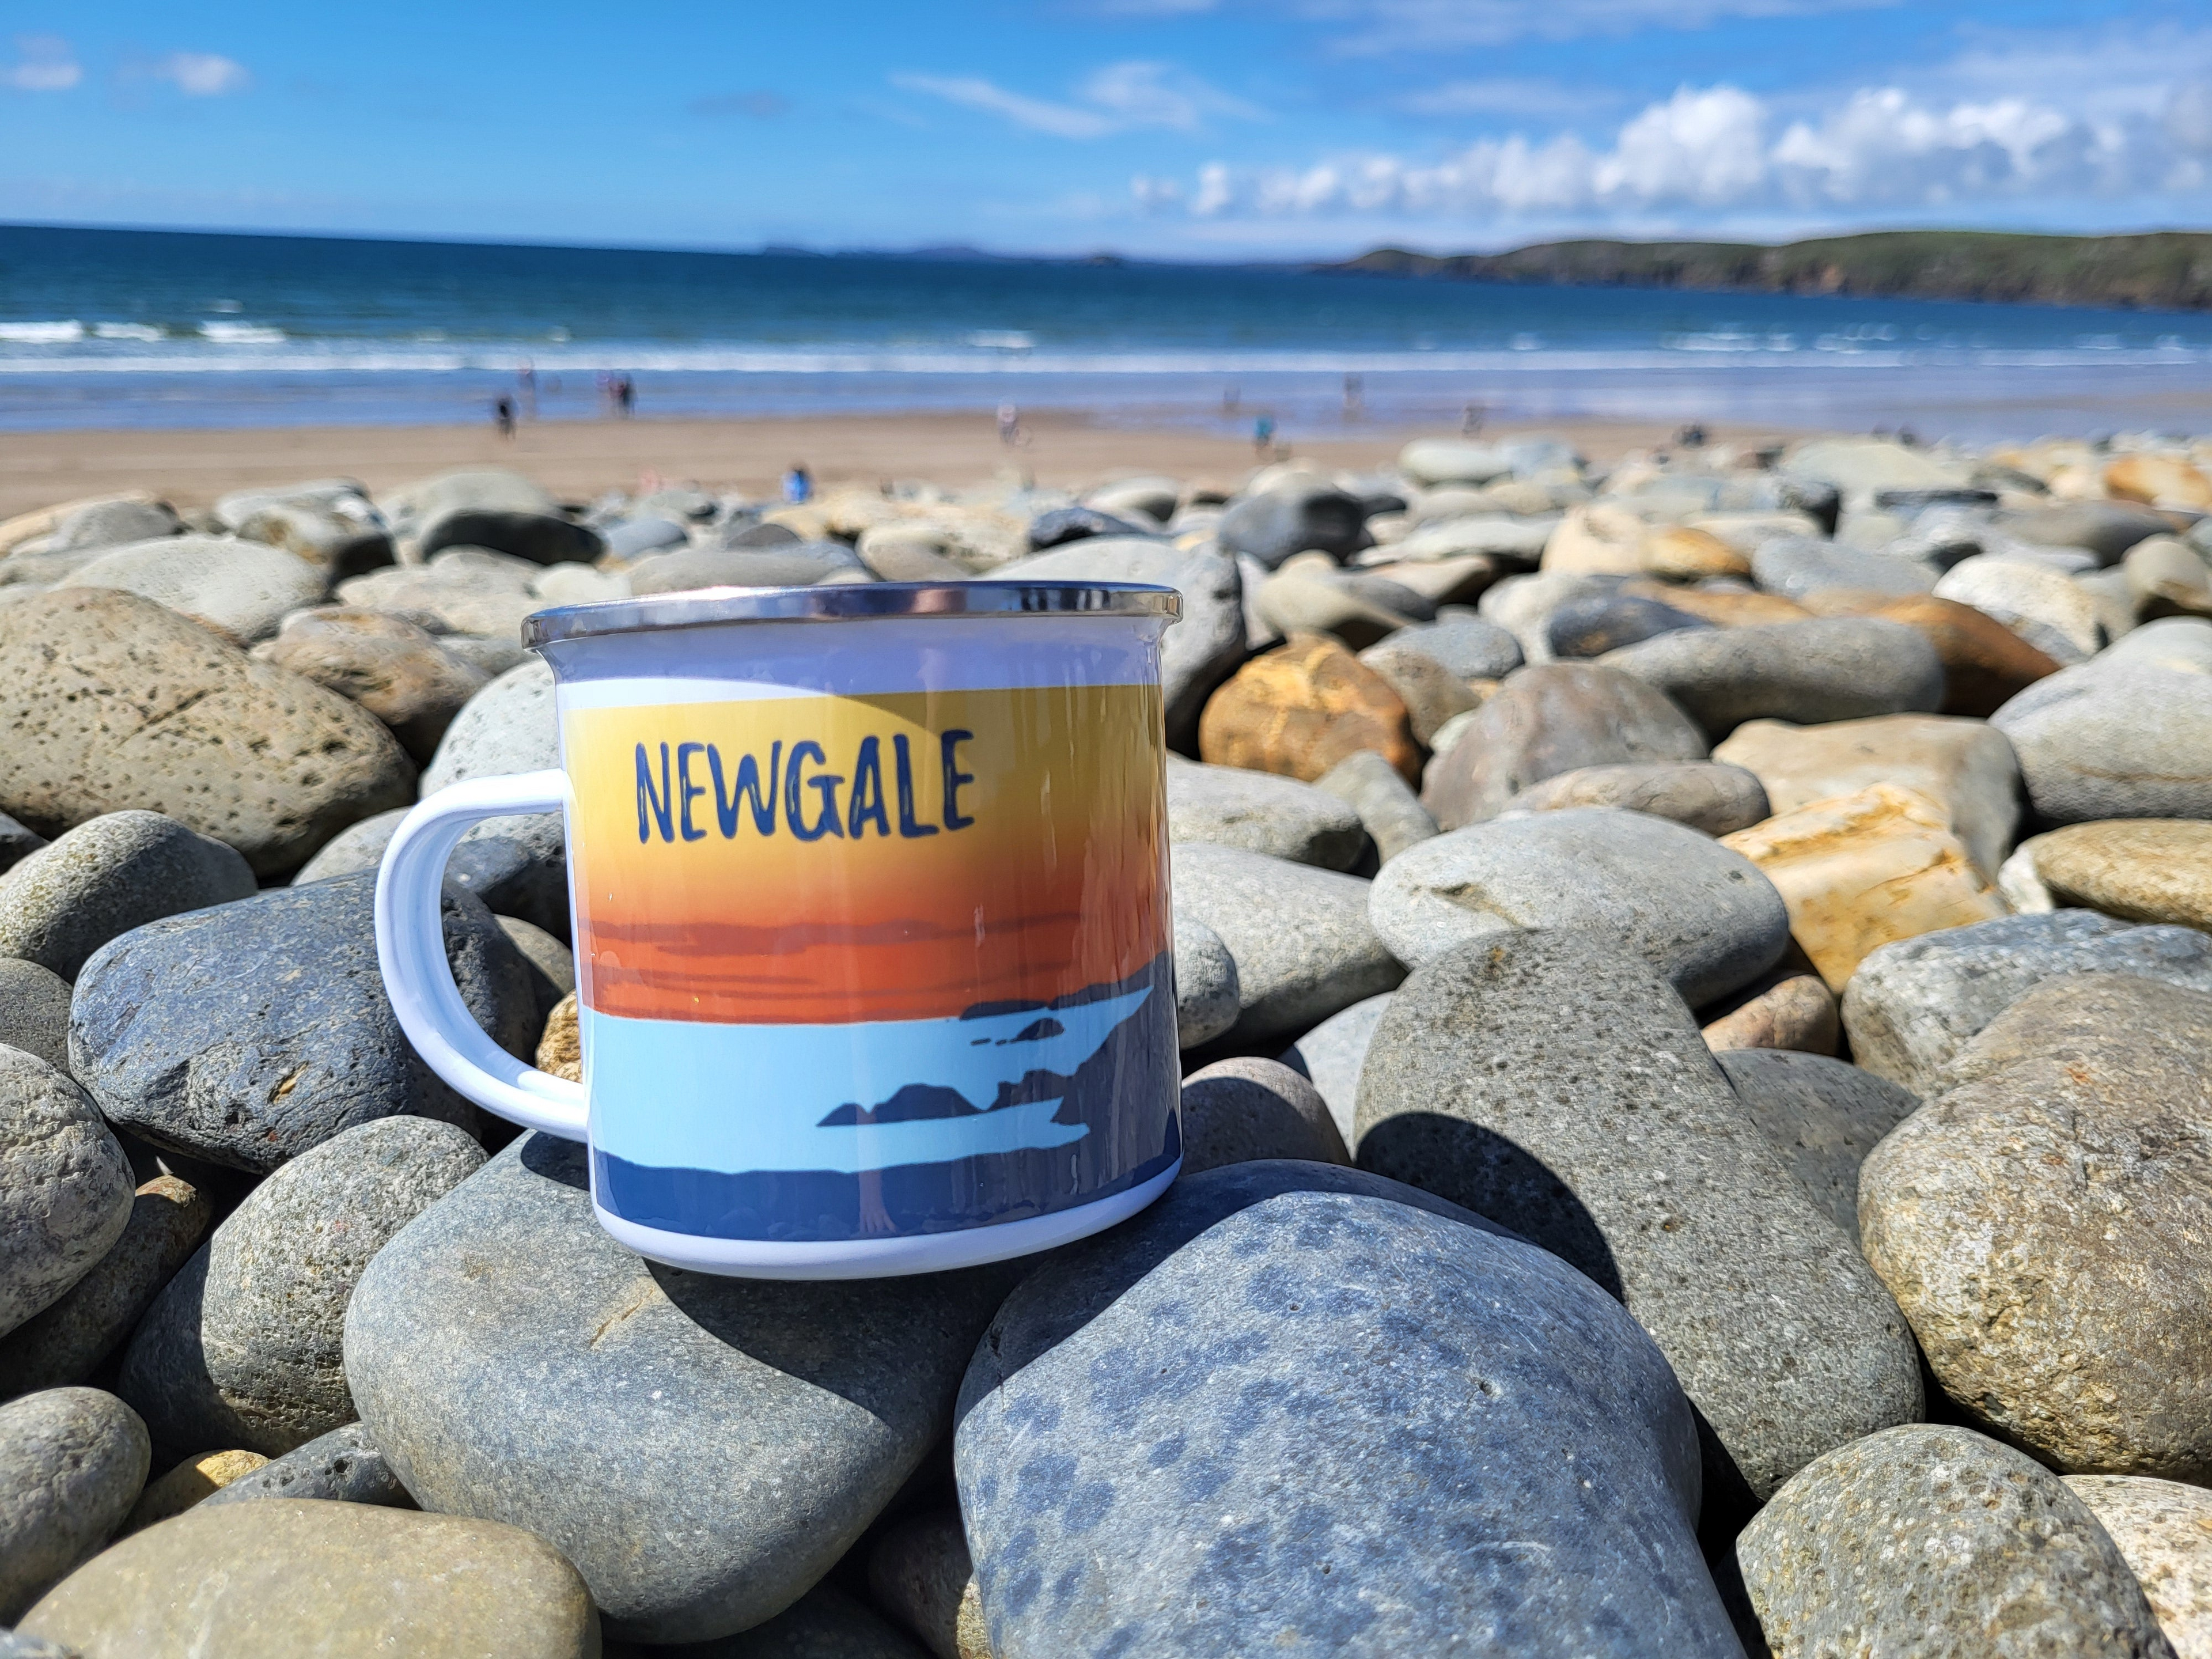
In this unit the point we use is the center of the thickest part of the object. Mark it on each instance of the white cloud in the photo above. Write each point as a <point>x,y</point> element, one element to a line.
<point>46,65</point>
<point>202,74</point>
<point>1503,95</point>
<point>1421,26</point>
<point>1715,150</point>
<point>1119,98</point>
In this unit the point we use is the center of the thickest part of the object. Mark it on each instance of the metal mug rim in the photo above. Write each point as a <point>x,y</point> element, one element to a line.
<point>705,607</point>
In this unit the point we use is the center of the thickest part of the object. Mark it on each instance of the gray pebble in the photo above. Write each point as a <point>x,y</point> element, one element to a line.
<point>34,1007</point>
<point>247,1034</point>
<point>1231,806</point>
<point>65,1186</point>
<point>113,524</point>
<point>112,873</point>
<point>1205,984</point>
<point>1713,798</point>
<point>1822,1116</point>
<point>240,589</point>
<point>2119,739</point>
<point>1832,668</point>
<point>1295,517</point>
<point>1554,1083</point>
<point>16,842</point>
<point>1391,813</point>
<point>72,1461</point>
<point>1236,1111</point>
<point>800,564</point>
<point>1470,646</point>
<point>1332,1056</point>
<point>344,1466</point>
<point>1301,938</point>
<point>1699,912</point>
<point>1798,567</point>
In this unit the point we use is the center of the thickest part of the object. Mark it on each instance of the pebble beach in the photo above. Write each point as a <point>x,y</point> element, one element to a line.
<point>1694,974</point>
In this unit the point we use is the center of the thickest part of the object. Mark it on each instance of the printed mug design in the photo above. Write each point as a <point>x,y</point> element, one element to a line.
<point>863,965</point>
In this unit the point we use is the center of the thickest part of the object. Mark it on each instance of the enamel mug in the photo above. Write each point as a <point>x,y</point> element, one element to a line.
<point>869,888</point>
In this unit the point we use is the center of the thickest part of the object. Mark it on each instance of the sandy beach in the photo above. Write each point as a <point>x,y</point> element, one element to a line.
<point>579,459</point>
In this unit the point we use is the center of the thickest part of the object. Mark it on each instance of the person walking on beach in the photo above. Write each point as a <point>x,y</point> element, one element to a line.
<point>625,395</point>
<point>1470,420</point>
<point>503,417</point>
<point>1263,437</point>
<point>1010,427</point>
<point>798,485</point>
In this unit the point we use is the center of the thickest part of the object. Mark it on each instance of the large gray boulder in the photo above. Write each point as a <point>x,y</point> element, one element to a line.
<point>110,874</point>
<point>1259,812</point>
<point>704,1449</point>
<point>1833,668</point>
<point>1296,516</point>
<point>2119,739</point>
<point>241,589</point>
<point>1304,1408</point>
<point>1556,1084</point>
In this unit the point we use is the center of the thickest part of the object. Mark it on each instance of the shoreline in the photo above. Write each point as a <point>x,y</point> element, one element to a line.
<point>190,466</point>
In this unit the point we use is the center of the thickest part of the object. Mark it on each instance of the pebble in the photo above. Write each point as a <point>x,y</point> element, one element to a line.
<point>1598,539</point>
<point>1933,1540</point>
<point>1388,809</point>
<point>114,524</point>
<point>1317,597</point>
<point>1544,721</point>
<point>1207,996</point>
<point>1301,937</point>
<point>1467,645</point>
<point>1522,605</point>
<point>464,590</point>
<point>1590,627</point>
<point>1862,871</point>
<point>519,866</point>
<point>540,537</point>
<point>344,1466</point>
<point>1302,707</point>
<point>112,703</point>
<point>1332,1054</point>
<point>551,964</point>
<point>71,1464</point>
<point>1783,1009</point>
<point>630,539</point>
<point>2121,739</point>
<point>243,1347</point>
<point>1230,806</point>
<point>1711,799</point>
<point>2146,869</point>
<point>1061,525</point>
<point>1200,650</point>
<point>2159,479</point>
<point>507,1354</point>
<point>1911,1007</point>
<point>2166,577</point>
<point>1307,1409</point>
<point>1700,913</point>
<point>1986,664</point>
<point>34,1006</point>
<point>1822,1115</point>
<point>1273,524</point>
<point>65,1186</point>
<point>1798,567</point>
<point>241,589</point>
<point>1432,694</point>
<point>1835,668</point>
<point>390,666</point>
<point>1963,767</point>
<point>1235,1111</point>
<point>248,1034</point>
<point>1555,1084</point>
<point>107,876</point>
<point>1691,553</point>
<point>2163,1530</point>
<point>66,1343</point>
<point>1447,461</point>
<point>798,564</point>
<point>2037,1222</point>
<point>189,1484</point>
<point>919,1573</point>
<point>2107,529</point>
<point>2024,590</point>
<point>384,1581</point>
<point>561,1045</point>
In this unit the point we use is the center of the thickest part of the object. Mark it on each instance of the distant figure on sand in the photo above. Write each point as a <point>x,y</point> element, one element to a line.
<point>1010,426</point>
<point>1355,398</point>
<point>1470,420</point>
<point>1263,435</point>
<point>798,485</point>
<point>625,394</point>
<point>503,417</point>
<point>525,379</point>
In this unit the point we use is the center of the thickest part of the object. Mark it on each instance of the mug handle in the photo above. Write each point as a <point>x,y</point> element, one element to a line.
<point>410,948</point>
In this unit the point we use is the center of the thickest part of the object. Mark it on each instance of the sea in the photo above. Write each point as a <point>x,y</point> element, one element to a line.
<point>155,329</point>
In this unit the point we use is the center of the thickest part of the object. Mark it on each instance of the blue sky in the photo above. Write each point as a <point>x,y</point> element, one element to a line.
<point>1207,129</point>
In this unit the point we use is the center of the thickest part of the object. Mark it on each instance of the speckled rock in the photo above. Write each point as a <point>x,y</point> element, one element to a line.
<point>1230,806</point>
<point>2148,870</point>
<point>66,1344</point>
<point>919,1573</point>
<point>1206,995</point>
<point>1783,1010</point>
<point>1554,1083</point>
<point>390,666</point>
<point>1301,938</point>
<point>1964,766</point>
<point>1713,800</point>
<point>71,1463</point>
<point>242,1348</point>
<point>385,1581</point>
<point>1701,914</point>
<point>2164,1531</point>
<point>110,874</point>
<point>1913,1006</point>
<point>247,1034</point>
<point>65,1186</point>
<point>1836,668</point>
<point>241,589</point>
<point>2038,1224</point>
<point>1933,1540</point>
<point>787,1414</point>
<point>1309,1409</point>
<point>1866,870</point>
<point>1388,810</point>
<point>344,1466</point>
<point>561,1045</point>
<point>2119,739</point>
<point>108,702</point>
<point>1301,708</point>
<point>1822,1115</point>
<point>34,1004</point>
<point>1236,1111</point>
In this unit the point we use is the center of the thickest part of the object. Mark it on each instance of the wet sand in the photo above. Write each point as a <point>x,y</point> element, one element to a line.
<point>189,467</point>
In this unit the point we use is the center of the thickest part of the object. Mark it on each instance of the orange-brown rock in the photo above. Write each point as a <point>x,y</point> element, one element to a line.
<point>1722,608</point>
<point>2159,480</point>
<point>1796,1013</point>
<point>1681,554</point>
<point>1301,708</point>
<point>1986,664</point>
<point>561,1049</point>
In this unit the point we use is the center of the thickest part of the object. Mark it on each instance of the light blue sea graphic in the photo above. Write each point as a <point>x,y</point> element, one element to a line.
<point>683,1094</point>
